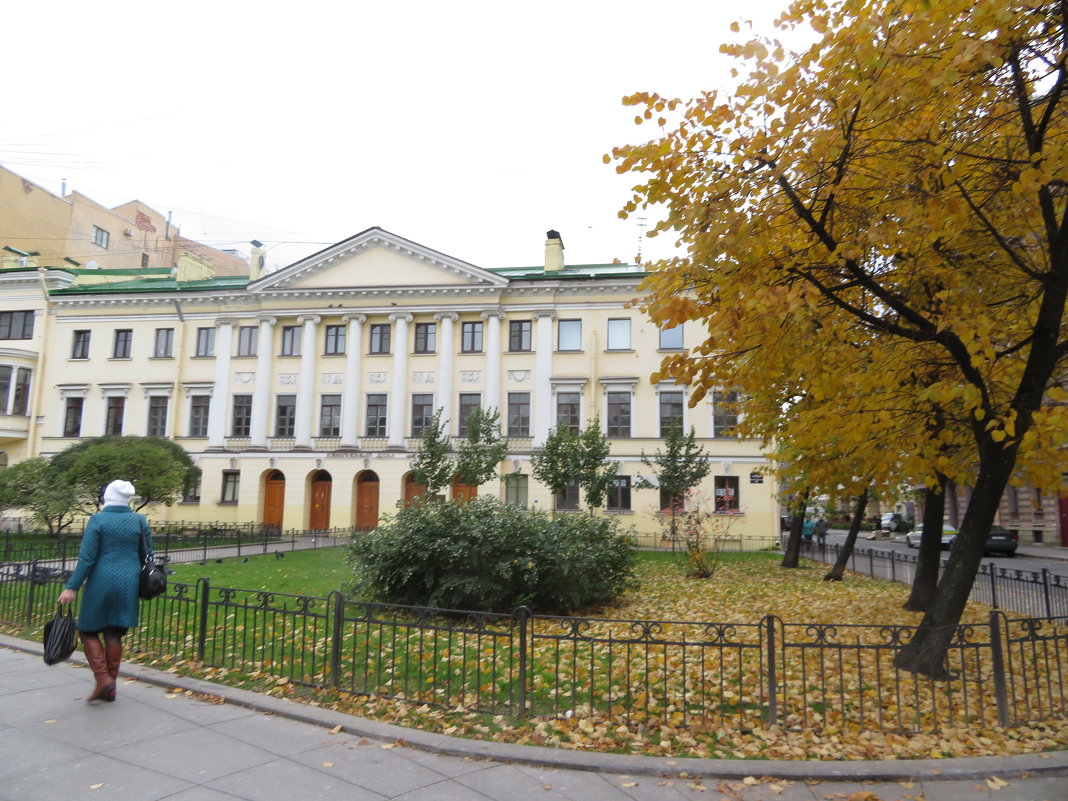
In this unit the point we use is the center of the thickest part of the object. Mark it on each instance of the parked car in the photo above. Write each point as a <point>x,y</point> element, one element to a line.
<point>892,521</point>
<point>1000,540</point>
<point>912,539</point>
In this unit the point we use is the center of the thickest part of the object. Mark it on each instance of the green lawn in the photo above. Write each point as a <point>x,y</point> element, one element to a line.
<point>316,572</point>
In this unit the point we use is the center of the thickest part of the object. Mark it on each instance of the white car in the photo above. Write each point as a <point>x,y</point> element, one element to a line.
<point>912,539</point>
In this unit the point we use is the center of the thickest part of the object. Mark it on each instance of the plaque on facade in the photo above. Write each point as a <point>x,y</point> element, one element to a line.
<point>377,378</point>
<point>331,378</point>
<point>287,379</point>
<point>244,378</point>
<point>470,376</point>
<point>519,376</point>
<point>424,377</point>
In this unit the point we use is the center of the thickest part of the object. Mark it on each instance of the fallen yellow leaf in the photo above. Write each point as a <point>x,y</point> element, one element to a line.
<point>336,729</point>
<point>994,783</point>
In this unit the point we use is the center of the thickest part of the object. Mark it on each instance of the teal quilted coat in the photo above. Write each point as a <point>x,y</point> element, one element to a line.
<point>109,564</point>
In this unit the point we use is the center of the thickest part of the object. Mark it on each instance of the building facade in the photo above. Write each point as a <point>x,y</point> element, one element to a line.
<point>303,394</point>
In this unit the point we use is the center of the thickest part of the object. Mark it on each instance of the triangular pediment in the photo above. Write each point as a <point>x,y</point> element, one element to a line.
<point>376,258</point>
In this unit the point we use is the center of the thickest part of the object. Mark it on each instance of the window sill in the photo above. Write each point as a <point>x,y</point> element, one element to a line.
<point>78,359</point>
<point>189,502</point>
<point>424,353</point>
<point>159,358</point>
<point>619,511</point>
<point>619,350</point>
<point>227,503</point>
<point>244,356</point>
<point>569,350</point>
<point>119,359</point>
<point>380,353</point>
<point>203,356</point>
<point>332,355</point>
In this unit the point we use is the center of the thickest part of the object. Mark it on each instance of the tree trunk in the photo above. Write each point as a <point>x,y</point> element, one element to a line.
<point>929,557</point>
<point>844,555</point>
<point>792,557</point>
<point>926,652</point>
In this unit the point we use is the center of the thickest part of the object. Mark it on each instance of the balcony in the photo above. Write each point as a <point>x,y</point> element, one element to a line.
<point>14,427</point>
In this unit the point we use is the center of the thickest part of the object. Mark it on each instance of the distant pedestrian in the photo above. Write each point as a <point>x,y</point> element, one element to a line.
<point>807,529</point>
<point>109,565</point>
<point>821,528</point>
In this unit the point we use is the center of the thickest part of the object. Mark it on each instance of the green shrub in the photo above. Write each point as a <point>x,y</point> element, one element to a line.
<point>484,555</point>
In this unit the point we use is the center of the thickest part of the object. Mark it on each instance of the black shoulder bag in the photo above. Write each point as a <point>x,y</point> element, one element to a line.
<point>153,577</point>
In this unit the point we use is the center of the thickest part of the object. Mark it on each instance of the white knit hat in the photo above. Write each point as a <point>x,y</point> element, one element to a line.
<point>119,493</point>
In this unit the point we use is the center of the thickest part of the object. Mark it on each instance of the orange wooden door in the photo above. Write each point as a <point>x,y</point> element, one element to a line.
<point>412,490</point>
<point>461,493</point>
<point>319,518</point>
<point>367,501</point>
<point>274,499</point>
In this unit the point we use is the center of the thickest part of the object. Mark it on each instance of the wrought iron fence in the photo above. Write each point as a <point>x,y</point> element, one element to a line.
<point>1035,593</point>
<point>1008,671</point>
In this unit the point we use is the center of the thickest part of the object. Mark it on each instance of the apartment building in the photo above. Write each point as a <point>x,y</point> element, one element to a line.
<point>302,394</point>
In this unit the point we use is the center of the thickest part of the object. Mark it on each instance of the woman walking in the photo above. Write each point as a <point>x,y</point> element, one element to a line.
<point>109,565</point>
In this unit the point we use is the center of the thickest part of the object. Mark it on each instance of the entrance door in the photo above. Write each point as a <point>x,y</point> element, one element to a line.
<point>274,499</point>
<point>367,500</point>
<point>319,519</point>
<point>412,490</point>
<point>461,492</point>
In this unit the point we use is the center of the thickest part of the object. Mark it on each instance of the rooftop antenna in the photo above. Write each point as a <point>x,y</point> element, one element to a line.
<point>641,222</point>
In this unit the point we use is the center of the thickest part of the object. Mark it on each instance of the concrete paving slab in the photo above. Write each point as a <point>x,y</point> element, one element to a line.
<point>197,755</point>
<point>112,779</point>
<point>285,779</point>
<point>386,771</point>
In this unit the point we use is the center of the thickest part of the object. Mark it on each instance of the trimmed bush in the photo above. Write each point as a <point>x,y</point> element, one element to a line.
<point>487,556</point>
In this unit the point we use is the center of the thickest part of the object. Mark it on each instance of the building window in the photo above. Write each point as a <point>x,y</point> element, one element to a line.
<point>101,237</point>
<point>568,500</point>
<point>290,340</point>
<point>727,493</point>
<point>519,414</point>
<point>72,417</point>
<point>157,416</point>
<point>379,341</point>
<point>376,415</point>
<point>16,325</point>
<point>515,490</point>
<point>230,482</point>
<point>335,340</point>
<point>724,413</point>
<point>247,339</point>
<point>422,413</point>
<point>425,336</point>
<point>519,335</point>
<point>144,260</point>
<point>285,415</point>
<point>619,334</point>
<point>567,411</point>
<point>667,503</point>
<point>191,493</point>
<point>20,403</point>
<point>163,348</point>
<point>569,335</point>
<point>471,337</point>
<point>671,338</point>
<point>198,415</point>
<point>619,494</point>
<point>469,402</point>
<point>205,342</point>
<point>80,345</point>
<point>330,416</point>
<point>116,405</point>
<point>241,420</point>
<point>123,340</point>
<point>670,412</point>
<point>618,414</point>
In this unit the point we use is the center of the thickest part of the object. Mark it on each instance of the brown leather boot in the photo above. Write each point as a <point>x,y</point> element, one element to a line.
<point>113,653</point>
<point>94,655</point>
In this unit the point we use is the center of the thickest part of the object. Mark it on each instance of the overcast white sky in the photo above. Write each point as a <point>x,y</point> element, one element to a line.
<point>469,127</point>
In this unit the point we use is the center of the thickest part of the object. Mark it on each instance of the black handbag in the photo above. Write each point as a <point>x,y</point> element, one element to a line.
<point>60,634</point>
<point>153,579</point>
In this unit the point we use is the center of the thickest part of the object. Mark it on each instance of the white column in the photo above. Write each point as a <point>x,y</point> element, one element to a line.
<point>302,426</point>
<point>220,395</point>
<point>543,366</point>
<point>398,401</point>
<point>446,354</point>
<point>493,362</point>
<point>261,395</point>
<point>350,396</point>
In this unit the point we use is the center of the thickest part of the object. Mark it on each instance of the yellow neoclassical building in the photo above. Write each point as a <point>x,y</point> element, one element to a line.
<point>302,394</point>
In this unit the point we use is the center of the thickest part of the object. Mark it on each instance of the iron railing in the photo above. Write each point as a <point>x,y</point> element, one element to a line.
<point>1007,671</point>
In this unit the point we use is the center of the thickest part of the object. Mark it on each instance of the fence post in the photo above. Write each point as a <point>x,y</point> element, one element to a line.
<point>893,565</point>
<point>1045,591</point>
<point>335,638</point>
<point>1001,693</point>
<point>203,591</point>
<point>30,591</point>
<point>522,615</point>
<point>993,587</point>
<point>773,687</point>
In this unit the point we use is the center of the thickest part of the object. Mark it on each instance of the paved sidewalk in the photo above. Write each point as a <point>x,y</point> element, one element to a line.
<point>158,741</point>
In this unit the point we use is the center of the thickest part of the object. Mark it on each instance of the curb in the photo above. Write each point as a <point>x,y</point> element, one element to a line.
<point>1053,763</point>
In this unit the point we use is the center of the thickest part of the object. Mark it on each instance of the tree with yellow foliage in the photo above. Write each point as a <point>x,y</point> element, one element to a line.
<point>898,189</point>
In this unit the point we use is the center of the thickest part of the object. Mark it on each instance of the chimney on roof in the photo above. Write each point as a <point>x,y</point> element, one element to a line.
<point>554,251</point>
<point>256,260</point>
